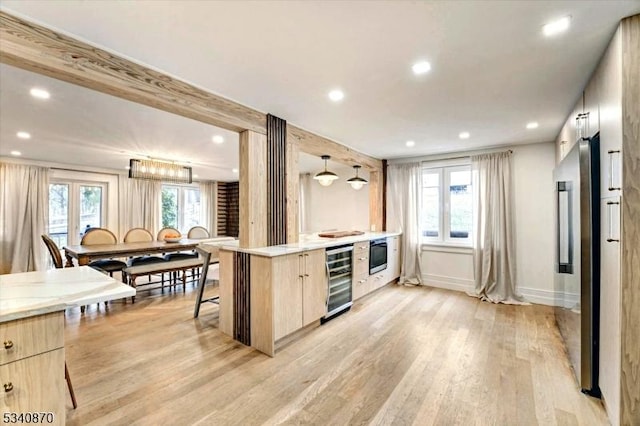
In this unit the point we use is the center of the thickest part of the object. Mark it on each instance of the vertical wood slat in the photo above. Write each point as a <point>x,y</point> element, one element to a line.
<point>277,180</point>
<point>242,299</point>
<point>384,195</point>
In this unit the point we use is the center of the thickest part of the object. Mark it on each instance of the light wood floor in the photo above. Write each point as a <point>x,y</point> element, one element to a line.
<point>403,355</point>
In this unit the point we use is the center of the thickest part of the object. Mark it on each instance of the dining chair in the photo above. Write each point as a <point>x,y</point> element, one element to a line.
<point>168,230</point>
<point>198,232</point>
<point>206,261</point>
<point>141,235</point>
<point>56,258</point>
<point>95,236</point>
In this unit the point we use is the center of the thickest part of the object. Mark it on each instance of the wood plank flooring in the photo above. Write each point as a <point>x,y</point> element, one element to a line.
<point>401,356</point>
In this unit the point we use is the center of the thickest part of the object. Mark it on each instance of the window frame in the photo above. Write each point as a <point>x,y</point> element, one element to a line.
<point>444,208</point>
<point>181,202</point>
<point>74,227</point>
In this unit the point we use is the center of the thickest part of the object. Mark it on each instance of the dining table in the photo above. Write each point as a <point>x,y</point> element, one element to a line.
<point>84,254</point>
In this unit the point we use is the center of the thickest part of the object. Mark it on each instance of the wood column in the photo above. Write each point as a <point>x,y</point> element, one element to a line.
<point>630,276</point>
<point>253,197</point>
<point>376,200</point>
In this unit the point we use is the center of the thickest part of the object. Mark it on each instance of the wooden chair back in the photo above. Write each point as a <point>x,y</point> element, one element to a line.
<point>138,235</point>
<point>198,232</point>
<point>96,236</point>
<point>56,257</point>
<point>168,230</point>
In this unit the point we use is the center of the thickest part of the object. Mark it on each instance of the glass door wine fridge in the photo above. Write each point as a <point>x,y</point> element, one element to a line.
<point>339,273</point>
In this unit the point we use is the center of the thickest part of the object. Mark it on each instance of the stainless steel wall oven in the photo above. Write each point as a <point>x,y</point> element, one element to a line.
<point>377,255</point>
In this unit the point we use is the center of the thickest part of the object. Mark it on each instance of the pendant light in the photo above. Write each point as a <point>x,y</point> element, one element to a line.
<point>357,182</point>
<point>326,177</point>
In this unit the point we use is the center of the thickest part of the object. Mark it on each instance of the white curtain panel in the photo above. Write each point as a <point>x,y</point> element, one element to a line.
<point>139,204</point>
<point>304,201</point>
<point>404,201</point>
<point>494,232</point>
<point>208,206</point>
<point>24,213</point>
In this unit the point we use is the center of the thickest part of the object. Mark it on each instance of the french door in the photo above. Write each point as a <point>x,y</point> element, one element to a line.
<point>75,207</point>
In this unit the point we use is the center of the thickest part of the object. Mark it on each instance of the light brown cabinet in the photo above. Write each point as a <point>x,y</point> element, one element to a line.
<point>32,365</point>
<point>299,291</point>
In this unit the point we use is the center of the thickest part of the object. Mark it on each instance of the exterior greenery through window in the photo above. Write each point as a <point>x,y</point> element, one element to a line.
<point>74,207</point>
<point>447,213</point>
<point>180,207</point>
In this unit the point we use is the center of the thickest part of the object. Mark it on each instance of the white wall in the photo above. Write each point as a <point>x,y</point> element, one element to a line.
<point>337,207</point>
<point>534,208</point>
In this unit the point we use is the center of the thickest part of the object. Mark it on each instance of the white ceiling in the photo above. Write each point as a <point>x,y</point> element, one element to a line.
<point>492,69</point>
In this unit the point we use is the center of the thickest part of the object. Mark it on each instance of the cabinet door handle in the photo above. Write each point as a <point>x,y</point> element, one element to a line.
<point>610,205</point>
<point>8,344</point>
<point>8,387</point>
<point>612,186</point>
<point>362,258</point>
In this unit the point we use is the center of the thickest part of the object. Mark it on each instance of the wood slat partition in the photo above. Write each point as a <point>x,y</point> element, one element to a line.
<point>221,210</point>
<point>276,180</point>
<point>233,209</point>
<point>228,210</point>
<point>241,298</point>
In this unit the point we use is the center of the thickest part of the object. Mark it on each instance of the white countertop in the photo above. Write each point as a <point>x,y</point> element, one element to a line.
<point>35,293</point>
<point>308,242</point>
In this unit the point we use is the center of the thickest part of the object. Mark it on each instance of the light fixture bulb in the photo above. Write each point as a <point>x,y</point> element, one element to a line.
<point>410,144</point>
<point>325,181</point>
<point>336,95</point>
<point>16,153</point>
<point>39,93</point>
<point>421,67</point>
<point>464,135</point>
<point>556,27</point>
<point>532,125</point>
<point>218,139</point>
<point>23,135</point>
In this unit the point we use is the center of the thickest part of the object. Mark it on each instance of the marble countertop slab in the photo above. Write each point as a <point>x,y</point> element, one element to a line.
<point>307,242</point>
<point>34,293</point>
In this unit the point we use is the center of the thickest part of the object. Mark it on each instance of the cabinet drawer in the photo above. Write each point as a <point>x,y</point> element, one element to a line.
<point>360,285</point>
<point>360,248</point>
<point>37,385</point>
<point>378,279</point>
<point>31,336</point>
<point>361,265</point>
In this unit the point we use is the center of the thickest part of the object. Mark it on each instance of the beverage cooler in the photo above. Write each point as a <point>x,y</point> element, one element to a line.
<point>339,276</point>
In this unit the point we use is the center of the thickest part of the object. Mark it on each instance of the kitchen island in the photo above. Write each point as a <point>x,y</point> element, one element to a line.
<point>267,294</point>
<point>32,363</point>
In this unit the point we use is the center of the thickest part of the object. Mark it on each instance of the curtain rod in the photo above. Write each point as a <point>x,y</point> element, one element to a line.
<point>444,157</point>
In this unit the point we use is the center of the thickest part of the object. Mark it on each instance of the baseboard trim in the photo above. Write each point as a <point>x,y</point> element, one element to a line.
<point>533,295</point>
<point>450,283</point>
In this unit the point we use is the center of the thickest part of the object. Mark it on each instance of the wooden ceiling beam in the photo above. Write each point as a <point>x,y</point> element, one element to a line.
<point>33,47</point>
<point>29,46</point>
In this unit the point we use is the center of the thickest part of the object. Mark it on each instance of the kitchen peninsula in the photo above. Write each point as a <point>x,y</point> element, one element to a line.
<point>32,305</point>
<point>269,293</point>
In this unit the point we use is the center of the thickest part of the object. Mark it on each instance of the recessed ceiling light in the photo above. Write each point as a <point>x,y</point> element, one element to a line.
<point>36,92</point>
<point>127,168</point>
<point>336,95</point>
<point>556,27</point>
<point>234,170</point>
<point>16,153</point>
<point>195,176</point>
<point>410,143</point>
<point>464,135</point>
<point>23,135</point>
<point>217,139</point>
<point>421,67</point>
<point>532,125</point>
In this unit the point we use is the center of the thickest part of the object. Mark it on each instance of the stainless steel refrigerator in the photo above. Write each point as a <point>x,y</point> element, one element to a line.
<point>577,269</point>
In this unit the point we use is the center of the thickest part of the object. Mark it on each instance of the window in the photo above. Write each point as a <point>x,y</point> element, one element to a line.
<point>180,207</point>
<point>446,205</point>
<point>75,207</point>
